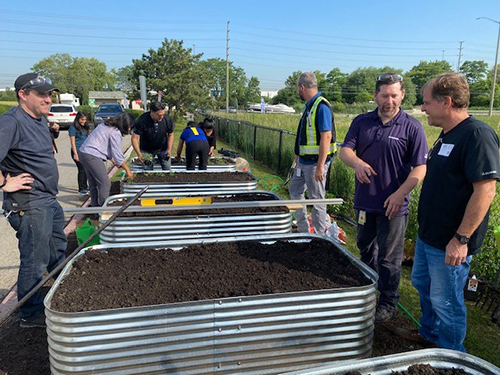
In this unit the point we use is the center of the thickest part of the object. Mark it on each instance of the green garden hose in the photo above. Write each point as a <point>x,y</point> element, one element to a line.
<point>409,315</point>
<point>277,184</point>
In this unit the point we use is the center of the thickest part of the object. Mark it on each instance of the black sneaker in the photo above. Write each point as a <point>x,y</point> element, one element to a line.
<point>37,320</point>
<point>383,315</point>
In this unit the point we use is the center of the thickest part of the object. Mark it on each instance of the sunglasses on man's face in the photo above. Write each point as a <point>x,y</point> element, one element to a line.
<point>38,81</point>
<point>390,78</point>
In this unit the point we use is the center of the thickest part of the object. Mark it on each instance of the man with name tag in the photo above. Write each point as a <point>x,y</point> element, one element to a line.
<point>387,150</point>
<point>462,170</point>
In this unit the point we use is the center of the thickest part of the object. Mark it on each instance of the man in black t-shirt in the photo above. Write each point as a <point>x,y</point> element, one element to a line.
<point>462,170</point>
<point>153,135</point>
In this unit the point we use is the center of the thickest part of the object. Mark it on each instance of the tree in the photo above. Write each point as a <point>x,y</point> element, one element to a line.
<point>288,95</point>
<point>332,86</point>
<point>252,92</point>
<point>124,78</point>
<point>474,70</point>
<point>76,75</point>
<point>426,70</point>
<point>176,72</point>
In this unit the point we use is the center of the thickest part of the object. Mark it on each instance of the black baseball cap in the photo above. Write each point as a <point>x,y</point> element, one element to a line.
<point>35,82</point>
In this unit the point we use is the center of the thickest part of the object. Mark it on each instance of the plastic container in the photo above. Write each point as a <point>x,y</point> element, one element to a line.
<point>85,231</point>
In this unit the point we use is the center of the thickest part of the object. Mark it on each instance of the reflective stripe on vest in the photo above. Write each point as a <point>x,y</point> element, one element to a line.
<point>312,148</point>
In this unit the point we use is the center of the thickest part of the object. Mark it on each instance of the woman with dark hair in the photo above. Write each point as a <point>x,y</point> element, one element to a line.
<point>78,133</point>
<point>196,145</point>
<point>208,128</point>
<point>104,143</point>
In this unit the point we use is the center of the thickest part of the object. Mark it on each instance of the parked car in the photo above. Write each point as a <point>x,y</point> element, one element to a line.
<point>63,114</point>
<point>106,111</point>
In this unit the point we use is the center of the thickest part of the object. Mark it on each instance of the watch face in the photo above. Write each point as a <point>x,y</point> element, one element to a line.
<point>464,240</point>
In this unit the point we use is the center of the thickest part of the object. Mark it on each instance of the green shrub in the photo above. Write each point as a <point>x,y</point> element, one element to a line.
<point>4,107</point>
<point>338,107</point>
<point>486,264</point>
<point>341,186</point>
<point>135,112</point>
<point>87,110</point>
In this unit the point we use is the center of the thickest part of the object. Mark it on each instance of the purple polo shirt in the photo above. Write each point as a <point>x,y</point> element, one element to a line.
<point>391,150</point>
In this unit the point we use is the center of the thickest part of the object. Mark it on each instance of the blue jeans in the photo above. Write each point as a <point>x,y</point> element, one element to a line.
<point>165,162</point>
<point>441,289</point>
<point>42,246</point>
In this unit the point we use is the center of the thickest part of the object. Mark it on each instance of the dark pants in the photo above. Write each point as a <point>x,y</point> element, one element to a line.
<point>42,246</point>
<point>163,159</point>
<point>97,174</point>
<point>197,148</point>
<point>82,176</point>
<point>381,244</point>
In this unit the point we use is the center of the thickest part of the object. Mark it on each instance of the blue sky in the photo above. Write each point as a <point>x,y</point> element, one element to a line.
<point>269,39</point>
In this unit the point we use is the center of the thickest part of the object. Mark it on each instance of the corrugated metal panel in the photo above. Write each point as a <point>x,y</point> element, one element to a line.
<point>230,166</point>
<point>439,358</point>
<point>252,335</point>
<point>180,227</point>
<point>159,189</point>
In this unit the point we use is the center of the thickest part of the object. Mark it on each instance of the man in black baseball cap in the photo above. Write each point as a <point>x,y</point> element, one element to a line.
<point>35,82</point>
<point>28,179</point>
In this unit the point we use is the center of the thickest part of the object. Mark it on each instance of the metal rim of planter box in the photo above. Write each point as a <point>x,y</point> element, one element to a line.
<point>169,189</point>
<point>439,358</point>
<point>230,167</point>
<point>248,334</point>
<point>170,227</point>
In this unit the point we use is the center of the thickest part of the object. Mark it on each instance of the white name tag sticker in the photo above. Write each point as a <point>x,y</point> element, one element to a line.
<point>445,149</point>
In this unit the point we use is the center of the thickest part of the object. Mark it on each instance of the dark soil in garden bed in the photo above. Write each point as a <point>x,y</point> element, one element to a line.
<point>244,197</point>
<point>420,369</point>
<point>211,161</point>
<point>193,177</point>
<point>138,277</point>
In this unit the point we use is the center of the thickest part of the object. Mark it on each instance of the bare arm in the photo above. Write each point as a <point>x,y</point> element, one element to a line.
<point>475,211</point>
<point>362,170</point>
<point>394,202</point>
<point>135,145</point>
<point>127,169</point>
<point>170,143</point>
<point>73,147</point>
<point>324,147</point>
<point>179,149</point>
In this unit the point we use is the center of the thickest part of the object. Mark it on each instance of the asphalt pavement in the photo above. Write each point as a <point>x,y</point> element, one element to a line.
<point>67,197</point>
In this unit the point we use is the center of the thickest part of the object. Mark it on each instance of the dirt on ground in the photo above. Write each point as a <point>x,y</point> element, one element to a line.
<point>243,197</point>
<point>420,369</point>
<point>194,178</point>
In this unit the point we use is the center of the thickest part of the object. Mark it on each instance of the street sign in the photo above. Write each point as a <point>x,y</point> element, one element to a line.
<point>91,102</point>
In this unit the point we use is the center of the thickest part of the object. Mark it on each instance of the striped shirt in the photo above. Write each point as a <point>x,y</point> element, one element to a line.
<point>104,143</point>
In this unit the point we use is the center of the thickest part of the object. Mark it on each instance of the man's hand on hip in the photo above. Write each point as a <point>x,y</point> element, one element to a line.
<point>363,172</point>
<point>319,173</point>
<point>456,253</point>
<point>393,204</point>
<point>18,182</point>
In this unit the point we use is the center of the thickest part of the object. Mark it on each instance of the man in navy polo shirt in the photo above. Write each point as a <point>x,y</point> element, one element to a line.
<point>387,150</point>
<point>29,183</point>
<point>453,211</point>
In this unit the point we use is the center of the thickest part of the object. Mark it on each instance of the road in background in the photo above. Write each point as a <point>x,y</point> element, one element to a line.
<point>67,197</point>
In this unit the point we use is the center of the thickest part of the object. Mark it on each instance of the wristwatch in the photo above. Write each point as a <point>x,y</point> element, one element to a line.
<point>464,240</point>
<point>3,183</point>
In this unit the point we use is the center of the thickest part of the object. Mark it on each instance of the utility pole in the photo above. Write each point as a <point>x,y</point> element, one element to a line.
<point>227,67</point>
<point>459,56</point>
<point>442,57</point>
<point>492,99</point>
<point>194,49</point>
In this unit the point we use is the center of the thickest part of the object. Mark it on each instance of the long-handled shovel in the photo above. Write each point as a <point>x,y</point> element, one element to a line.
<point>61,266</point>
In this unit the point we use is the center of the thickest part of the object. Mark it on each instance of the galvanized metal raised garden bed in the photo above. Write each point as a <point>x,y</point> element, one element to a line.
<point>220,164</point>
<point>174,189</point>
<point>386,365</point>
<point>178,227</point>
<point>262,334</point>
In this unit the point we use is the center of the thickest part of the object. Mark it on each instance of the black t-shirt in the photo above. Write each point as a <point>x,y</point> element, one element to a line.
<point>153,135</point>
<point>212,139</point>
<point>467,153</point>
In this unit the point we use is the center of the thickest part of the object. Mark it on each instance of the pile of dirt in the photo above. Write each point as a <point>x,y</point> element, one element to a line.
<point>244,197</point>
<point>421,369</point>
<point>138,277</point>
<point>194,178</point>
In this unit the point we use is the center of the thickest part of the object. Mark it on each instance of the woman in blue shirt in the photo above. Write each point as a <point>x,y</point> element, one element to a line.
<point>196,145</point>
<point>78,133</point>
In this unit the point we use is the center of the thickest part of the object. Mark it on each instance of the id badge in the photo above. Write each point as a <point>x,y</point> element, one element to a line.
<point>362,217</point>
<point>298,172</point>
